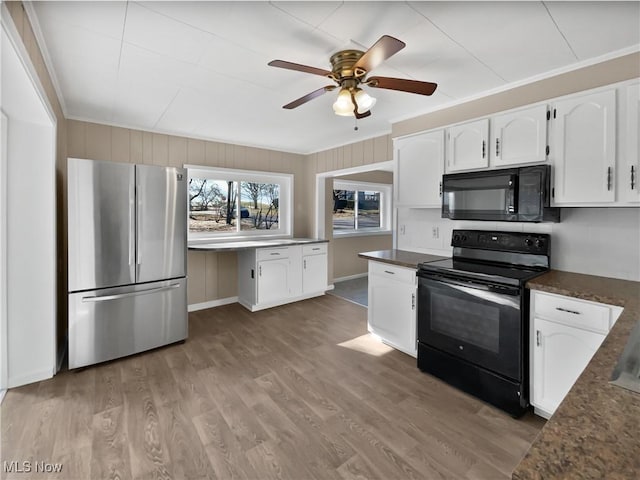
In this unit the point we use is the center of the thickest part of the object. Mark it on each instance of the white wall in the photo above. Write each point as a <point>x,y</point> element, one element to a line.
<point>30,199</point>
<point>594,241</point>
<point>31,256</point>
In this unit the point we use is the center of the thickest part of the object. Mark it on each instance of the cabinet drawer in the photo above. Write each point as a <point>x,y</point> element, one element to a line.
<point>314,249</point>
<point>272,253</point>
<point>576,313</point>
<point>400,274</point>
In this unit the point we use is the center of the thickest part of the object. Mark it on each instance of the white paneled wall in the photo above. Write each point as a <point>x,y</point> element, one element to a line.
<point>595,241</point>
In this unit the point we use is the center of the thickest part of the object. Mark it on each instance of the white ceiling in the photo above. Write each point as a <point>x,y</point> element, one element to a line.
<point>200,68</point>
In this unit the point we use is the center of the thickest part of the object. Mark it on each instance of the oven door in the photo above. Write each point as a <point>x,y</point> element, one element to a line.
<point>478,322</point>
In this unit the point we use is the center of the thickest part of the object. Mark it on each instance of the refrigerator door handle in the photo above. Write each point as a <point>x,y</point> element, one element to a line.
<point>132,227</point>
<point>139,230</point>
<point>104,298</point>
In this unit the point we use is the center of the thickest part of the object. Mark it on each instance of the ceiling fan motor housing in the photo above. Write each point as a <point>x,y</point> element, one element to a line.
<point>343,66</point>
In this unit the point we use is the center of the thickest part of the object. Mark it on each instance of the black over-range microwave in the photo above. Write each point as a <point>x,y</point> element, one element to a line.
<point>508,195</point>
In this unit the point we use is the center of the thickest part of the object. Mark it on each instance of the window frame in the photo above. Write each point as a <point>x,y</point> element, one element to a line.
<point>385,190</point>
<point>285,203</point>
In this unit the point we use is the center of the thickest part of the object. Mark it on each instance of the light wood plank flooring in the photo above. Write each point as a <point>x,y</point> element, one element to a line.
<point>295,392</point>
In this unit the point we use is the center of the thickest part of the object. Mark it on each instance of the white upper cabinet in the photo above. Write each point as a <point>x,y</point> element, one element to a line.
<point>519,137</point>
<point>584,150</point>
<point>419,167</point>
<point>628,170</point>
<point>468,146</point>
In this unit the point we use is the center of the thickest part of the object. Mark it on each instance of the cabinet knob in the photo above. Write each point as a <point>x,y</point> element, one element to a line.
<point>537,338</point>
<point>633,177</point>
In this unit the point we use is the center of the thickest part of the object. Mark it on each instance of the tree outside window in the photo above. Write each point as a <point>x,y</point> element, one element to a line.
<point>237,205</point>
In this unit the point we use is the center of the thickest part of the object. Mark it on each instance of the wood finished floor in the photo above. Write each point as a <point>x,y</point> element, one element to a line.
<point>295,392</point>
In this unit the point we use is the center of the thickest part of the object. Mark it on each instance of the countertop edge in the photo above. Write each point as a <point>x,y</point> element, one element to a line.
<point>234,246</point>
<point>400,258</point>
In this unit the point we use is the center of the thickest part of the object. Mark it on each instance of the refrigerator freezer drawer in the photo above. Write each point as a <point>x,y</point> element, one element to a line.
<point>115,322</point>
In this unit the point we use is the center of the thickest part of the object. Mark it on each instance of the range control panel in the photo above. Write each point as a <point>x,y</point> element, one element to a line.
<point>536,243</point>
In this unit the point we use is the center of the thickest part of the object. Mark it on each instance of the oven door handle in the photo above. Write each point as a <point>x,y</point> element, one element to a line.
<point>487,287</point>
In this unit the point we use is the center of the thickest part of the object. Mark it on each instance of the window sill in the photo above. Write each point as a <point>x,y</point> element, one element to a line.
<point>360,233</point>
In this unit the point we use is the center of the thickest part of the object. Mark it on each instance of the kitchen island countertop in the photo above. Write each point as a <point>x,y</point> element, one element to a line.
<point>401,258</point>
<point>595,432</point>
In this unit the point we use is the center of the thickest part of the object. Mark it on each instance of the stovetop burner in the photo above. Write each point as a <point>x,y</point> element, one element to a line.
<point>510,258</point>
<point>506,274</point>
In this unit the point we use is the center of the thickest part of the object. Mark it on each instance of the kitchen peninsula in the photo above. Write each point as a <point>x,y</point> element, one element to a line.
<point>594,431</point>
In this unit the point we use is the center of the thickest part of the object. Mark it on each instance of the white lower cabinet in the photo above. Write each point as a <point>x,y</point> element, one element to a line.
<point>392,305</point>
<point>566,332</point>
<point>268,277</point>
<point>314,268</point>
<point>273,280</point>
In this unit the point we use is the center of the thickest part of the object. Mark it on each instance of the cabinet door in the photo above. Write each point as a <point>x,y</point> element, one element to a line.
<point>392,314</point>
<point>519,137</point>
<point>584,150</point>
<point>628,186</point>
<point>314,273</point>
<point>560,354</point>
<point>419,167</point>
<point>468,146</point>
<point>273,280</point>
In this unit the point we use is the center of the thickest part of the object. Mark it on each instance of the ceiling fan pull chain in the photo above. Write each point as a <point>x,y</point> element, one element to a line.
<point>355,124</point>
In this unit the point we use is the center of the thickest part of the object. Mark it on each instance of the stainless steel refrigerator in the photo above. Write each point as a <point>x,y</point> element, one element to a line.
<point>127,228</point>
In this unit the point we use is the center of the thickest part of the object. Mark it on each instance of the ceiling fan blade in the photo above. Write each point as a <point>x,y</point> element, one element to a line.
<point>308,97</point>
<point>299,68</point>
<point>384,48</point>
<point>403,85</point>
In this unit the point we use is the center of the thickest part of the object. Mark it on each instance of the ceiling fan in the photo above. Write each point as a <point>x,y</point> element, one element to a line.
<point>349,71</point>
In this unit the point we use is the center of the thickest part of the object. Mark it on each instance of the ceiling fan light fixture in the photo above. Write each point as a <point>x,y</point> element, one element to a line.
<point>364,101</point>
<point>343,105</point>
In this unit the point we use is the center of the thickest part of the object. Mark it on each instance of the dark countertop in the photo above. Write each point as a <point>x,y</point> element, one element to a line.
<point>595,432</point>
<point>245,244</point>
<point>402,258</point>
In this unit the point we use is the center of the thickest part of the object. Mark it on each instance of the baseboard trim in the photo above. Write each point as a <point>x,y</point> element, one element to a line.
<point>285,301</point>
<point>194,307</point>
<point>2,394</point>
<point>350,277</point>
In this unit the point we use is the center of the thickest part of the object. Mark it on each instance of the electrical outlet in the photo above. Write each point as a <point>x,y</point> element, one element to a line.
<point>435,232</point>
<point>403,229</point>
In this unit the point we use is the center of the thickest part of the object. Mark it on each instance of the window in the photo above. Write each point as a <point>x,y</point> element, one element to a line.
<point>237,203</point>
<point>360,207</point>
